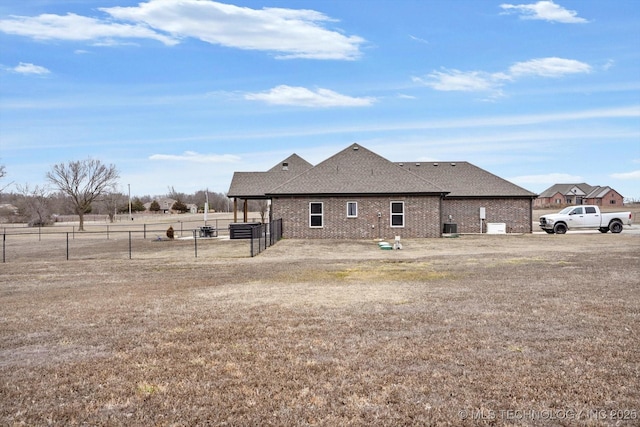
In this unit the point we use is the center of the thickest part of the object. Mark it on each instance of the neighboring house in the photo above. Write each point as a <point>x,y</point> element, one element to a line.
<point>357,194</point>
<point>9,208</point>
<point>165,204</point>
<point>578,194</point>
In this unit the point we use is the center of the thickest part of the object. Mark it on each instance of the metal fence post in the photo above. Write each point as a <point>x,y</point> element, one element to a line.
<point>129,245</point>
<point>67,246</point>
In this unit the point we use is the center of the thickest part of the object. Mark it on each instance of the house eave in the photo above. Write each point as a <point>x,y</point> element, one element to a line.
<point>356,194</point>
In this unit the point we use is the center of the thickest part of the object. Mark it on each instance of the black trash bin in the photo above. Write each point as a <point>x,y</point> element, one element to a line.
<point>450,228</point>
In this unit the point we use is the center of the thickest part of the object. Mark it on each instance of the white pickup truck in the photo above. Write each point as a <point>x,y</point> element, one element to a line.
<point>584,217</point>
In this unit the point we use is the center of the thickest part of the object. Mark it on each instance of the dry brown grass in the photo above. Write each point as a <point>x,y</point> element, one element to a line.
<point>324,333</point>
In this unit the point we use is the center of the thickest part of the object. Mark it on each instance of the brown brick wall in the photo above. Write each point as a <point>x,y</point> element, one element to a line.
<point>422,218</point>
<point>516,213</point>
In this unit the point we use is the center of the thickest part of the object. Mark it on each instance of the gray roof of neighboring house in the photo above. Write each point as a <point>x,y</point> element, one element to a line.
<point>462,179</point>
<point>356,170</point>
<point>257,184</point>
<point>565,189</point>
<point>598,192</point>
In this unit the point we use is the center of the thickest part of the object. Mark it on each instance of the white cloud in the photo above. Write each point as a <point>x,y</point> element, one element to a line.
<point>550,178</point>
<point>27,68</point>
<point>481,81</point>
<point>609,64</point>
<point>456,80</point>
<point>300,96</point>
<point>290,33</point>
<point>545,10</point>
<point>633,175</point>
<point>192,156</point>
<point>74,27</point>
<point>418,39</point>
<point>548,67</point>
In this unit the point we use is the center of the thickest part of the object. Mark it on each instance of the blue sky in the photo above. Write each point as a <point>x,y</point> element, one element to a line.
<point>183,93</point>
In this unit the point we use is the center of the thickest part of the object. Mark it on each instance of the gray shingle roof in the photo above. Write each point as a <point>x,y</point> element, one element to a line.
<point>256,184</point>
<point>462,179</point>
<point>565,189</point>
<point>598,192</point>
<point>356,170</point>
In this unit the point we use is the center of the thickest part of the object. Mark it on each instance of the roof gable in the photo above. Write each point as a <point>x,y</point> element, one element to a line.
<point>257,184</point>
<point>293,164</point>
<point>357,170</point>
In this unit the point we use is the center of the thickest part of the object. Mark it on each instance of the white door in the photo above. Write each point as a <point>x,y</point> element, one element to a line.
<point>591,217</point>
<point>576,218</point>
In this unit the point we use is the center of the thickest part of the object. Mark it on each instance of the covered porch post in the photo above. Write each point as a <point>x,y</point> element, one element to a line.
<point>235,209</point>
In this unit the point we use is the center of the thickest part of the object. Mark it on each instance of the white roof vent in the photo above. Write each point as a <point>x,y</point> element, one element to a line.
<point>453,164</point>
<point>417,164</point>
<point>285,166</point>
<point>435,164</point>
<point>355,148</point>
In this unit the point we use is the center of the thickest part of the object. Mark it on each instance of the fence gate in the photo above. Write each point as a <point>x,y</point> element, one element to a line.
<point>265,235</point>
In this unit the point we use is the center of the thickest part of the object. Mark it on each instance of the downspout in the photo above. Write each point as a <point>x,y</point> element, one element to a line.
<point>440,225</point>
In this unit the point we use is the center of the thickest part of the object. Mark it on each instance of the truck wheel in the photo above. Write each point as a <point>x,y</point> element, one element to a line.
<point>560,228</point>
<point>603,229</point>
<point>615,227</point>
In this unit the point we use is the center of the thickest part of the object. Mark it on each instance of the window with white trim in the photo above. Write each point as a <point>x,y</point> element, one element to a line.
<point>352,209</point>
<point>316,219</point>
<point>397,214</point>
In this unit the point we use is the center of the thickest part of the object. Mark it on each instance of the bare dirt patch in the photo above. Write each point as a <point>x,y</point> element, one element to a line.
<point>475,330</point>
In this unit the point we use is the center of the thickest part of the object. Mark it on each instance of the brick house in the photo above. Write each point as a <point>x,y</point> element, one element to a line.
<point>578,194</point>
<point>357,194</point>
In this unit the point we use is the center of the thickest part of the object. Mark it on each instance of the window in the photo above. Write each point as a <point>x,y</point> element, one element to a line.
<point>397,214</point>
<point>352,209</point>
<point>590,210</point>
<point>315,215</point>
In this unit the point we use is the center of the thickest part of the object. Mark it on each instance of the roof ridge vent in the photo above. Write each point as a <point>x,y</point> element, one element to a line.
<point>435,164</point>
<point>355,147</point>
<point>453,163</point>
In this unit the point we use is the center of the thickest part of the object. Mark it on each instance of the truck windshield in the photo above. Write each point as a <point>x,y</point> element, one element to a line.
<point>566,210</point>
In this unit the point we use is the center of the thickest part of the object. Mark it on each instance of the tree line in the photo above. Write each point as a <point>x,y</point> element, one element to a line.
<point>88,187</point>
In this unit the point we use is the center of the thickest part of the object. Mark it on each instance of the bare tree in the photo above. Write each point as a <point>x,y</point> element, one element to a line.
<point>113,201</point>
<point>83,181</point>
<point>3,173</point>
<point>35,204</point>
